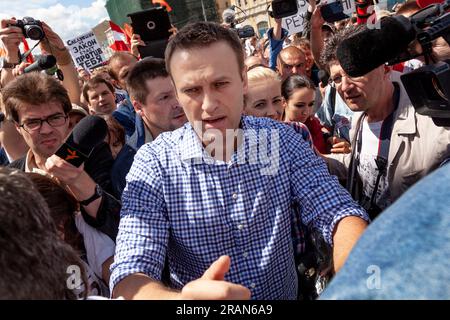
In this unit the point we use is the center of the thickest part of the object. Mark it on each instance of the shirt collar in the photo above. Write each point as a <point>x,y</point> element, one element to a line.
<point>148,135</point>
<point>406,116</point>
<point>192,148</point>
<point>30,162</point>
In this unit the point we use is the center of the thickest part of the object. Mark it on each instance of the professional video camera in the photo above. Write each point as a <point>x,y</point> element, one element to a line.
<point>31,28</point>
<point>429,86</point>
<point>229,17</point>
<point>283,8</point>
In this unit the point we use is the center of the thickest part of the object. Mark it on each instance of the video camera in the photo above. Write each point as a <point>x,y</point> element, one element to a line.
<point>31,28</point>
<point>284,8</point>
<point>429,86</point>
<point>229,17</point>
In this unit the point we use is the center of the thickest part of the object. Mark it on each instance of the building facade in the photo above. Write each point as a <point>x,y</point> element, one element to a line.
<point>101,32</point>
<point>255,14</point>
<point>221,5</point>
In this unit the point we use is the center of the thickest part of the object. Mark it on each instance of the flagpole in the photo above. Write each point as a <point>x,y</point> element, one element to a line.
<point>203,9</point>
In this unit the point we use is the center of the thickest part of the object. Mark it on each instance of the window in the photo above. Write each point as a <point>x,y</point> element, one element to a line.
<point>262,28</point>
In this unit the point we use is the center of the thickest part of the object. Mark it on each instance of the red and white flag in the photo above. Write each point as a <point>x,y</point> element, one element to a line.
<point>26,47</point>
<point>119,37</point>
<point>163,3</point>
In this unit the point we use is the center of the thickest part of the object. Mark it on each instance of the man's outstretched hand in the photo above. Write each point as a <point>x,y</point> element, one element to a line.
<point>212,285</point>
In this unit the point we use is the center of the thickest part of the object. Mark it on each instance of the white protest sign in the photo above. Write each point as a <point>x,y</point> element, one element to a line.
<point>294,24</point>
<point>85,51</point>
<point>349,7</point>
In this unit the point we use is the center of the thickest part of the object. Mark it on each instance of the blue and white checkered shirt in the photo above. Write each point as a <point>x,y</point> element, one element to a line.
<point>181,205</point>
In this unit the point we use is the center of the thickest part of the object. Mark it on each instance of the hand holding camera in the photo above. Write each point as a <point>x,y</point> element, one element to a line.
<point>10,36</point>
<point>31,28</point>
<point>54,45</point>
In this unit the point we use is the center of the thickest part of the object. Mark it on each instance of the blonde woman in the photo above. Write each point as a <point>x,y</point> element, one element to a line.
<point>264,94</point>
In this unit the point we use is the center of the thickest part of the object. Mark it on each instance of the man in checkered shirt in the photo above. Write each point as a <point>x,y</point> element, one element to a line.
<point>207,208</point>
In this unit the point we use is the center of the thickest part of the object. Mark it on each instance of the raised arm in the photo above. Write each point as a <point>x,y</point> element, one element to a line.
<point>10,37</point>
<point>316,39</point>
<point>53,44</point>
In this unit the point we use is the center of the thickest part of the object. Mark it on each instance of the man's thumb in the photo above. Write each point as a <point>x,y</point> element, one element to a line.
<point>218,269</point>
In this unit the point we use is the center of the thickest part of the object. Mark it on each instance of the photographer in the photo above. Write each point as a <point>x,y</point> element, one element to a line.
<point>11,35</point>
<point>392,145</point>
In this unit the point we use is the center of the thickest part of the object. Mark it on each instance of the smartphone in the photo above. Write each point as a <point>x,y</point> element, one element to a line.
<point>333,12</point>
<point>153,27</point>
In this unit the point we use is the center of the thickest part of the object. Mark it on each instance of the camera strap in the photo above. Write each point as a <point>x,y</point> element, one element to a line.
<point>24,56</point>
<point>383,146</point>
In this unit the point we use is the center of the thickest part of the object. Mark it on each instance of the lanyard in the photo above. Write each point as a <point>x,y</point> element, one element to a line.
<point>383,146</point>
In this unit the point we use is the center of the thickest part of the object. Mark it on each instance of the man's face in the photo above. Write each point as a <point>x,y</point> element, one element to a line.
<point>264,99</point>
<point>359,93</point>
<point>46,140</point>
<point>161,111</point>
<point>122,67</point>
<point>292,64</point>
<point>101,100</point>
<point>83,74</point>
<point>210,86</point>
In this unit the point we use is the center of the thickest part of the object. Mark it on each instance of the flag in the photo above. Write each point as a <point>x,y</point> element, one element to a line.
<point>26,47</point>
<point>119,38</point>
<point>163,3</point>
<point>128,30</point>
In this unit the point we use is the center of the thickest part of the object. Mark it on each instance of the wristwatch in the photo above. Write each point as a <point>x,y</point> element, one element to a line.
<point>97,194</point>
<point>7,65</point>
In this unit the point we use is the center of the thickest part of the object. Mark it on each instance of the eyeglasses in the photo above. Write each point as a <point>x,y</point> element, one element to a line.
<point>337,80</point>
<point>56,120</point>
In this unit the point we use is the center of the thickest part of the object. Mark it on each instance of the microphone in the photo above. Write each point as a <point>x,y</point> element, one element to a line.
<point>86,135</point>
<point>229,15</point>
<point>42,63</point>
<point>323,77</point>
<point>371,48</point>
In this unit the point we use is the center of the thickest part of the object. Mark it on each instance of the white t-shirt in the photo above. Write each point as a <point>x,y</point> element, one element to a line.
<point>99,247</point>
<point>367,169</point>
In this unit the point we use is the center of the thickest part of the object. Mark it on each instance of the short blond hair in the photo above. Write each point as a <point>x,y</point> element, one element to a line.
<point>262,73</point>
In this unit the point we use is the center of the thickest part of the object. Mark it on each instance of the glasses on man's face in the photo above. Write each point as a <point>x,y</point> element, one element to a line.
<point>56,120</point>
<point>336,81</point>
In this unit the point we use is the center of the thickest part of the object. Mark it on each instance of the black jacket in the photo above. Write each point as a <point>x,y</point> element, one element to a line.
<point>98,167</point>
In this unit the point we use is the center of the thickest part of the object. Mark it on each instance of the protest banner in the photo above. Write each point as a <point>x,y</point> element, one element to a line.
<point>294,24</point>
<point>86,51</point>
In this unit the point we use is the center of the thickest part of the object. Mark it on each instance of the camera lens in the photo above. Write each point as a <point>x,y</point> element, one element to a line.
<point>34,32</point>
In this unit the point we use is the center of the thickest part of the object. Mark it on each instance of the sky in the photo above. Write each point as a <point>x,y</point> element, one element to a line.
<point>68,18</point>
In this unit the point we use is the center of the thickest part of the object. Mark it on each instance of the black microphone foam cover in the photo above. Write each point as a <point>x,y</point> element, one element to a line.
<point>46,62</point>
<point>88,133</point>
<point>370,48</point>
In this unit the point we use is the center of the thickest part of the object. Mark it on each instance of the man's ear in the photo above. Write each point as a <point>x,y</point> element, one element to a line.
<point>137,107</point>
<point>18,128</point>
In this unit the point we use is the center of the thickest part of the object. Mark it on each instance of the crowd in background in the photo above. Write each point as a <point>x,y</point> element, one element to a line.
<point>136,221</point>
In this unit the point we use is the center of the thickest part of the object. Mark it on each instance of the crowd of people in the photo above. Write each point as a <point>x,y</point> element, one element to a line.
<point>231,169</point>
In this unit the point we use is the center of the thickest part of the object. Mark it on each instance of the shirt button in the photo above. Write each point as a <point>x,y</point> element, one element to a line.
<point>253,286</point>
<point>241,226</point>
<point>245,254</point>
<point>235,196</point>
